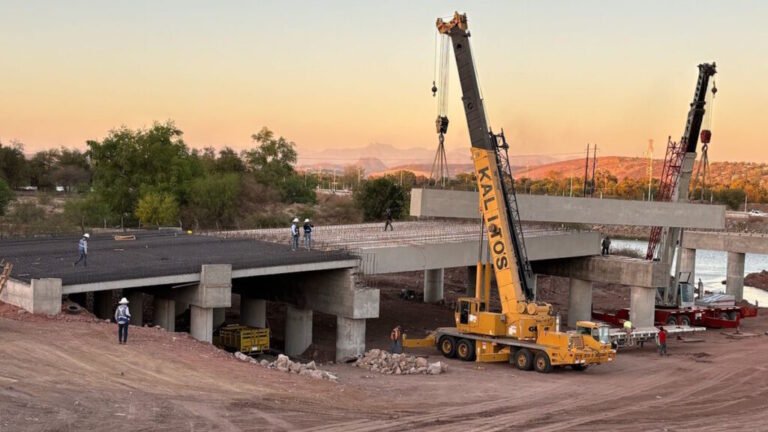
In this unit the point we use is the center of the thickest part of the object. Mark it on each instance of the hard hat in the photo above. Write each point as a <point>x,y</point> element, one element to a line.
<point>295,219</point>
<point>123,300</point>
<point>86,235</point>
<point>306,220</point>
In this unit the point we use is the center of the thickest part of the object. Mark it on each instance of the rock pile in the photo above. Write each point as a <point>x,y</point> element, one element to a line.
<point>284,364</point>
<point>381,361</point>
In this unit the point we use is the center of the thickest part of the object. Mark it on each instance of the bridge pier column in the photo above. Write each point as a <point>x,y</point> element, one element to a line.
<point>350,337</point>
<point>201,323</point>
<point>219,317</point>
<point>165,313</point>
<point>688,264</point>
<point>734,279</point>
<point>579,301</point>
<point>102,304</point>
<point>433,285</point>
<point>642,305</point>
<point>136,306</point>
<point>253,312</point>
<point>298,330</point>
<point>471,281</point>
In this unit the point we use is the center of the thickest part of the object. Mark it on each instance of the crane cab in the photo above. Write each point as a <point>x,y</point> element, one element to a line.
<point>472,316</point>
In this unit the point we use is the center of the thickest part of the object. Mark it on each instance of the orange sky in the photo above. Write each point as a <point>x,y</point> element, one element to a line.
<point>555,75</point>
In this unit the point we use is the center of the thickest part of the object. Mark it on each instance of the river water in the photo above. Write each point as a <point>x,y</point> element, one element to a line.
<point>711,268</point>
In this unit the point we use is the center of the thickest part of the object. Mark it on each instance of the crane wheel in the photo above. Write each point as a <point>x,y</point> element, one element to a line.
<point>524,359</point>
<point>579,367</point>
<point>465,350</point>
<point>671,320</point>
<point>541,362</point>
<point>447,346</point>
<point>685,320</point>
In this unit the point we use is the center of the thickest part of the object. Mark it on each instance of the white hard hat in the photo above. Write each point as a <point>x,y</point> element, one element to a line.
<point>295,219</point>
<point>123,300</point>
<point>306,220</point>
<point>86,235</point>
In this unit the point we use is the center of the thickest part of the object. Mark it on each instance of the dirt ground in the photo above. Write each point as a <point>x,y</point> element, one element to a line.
<point>67,373</point>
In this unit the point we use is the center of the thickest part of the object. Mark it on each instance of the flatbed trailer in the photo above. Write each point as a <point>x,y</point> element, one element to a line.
<point>453,343</point>
<point>697,316</point>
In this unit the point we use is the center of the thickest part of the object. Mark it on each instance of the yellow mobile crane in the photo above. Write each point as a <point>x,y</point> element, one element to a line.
<point>525,332</point>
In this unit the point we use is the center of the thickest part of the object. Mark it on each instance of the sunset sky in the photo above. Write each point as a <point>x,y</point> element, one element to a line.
<point>555,74</point>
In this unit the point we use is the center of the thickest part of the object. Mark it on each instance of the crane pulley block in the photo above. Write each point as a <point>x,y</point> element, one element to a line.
<point>441,124</point>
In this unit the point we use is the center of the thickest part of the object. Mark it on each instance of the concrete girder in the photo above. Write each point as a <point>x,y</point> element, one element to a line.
<point>416,257</point>
<point>464,204</point>
<point>608,269</point>
<point>725,241</point>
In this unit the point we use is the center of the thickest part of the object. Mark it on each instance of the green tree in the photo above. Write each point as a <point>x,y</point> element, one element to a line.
<point>157,209</point>
<point>41,168</point>
<point>213,200</point>
<point>13,165</point>
<point>129,163</point>
<point>375,196</point>
<point>6,195</point>
<point>273,159</point>
<point>89,211</point>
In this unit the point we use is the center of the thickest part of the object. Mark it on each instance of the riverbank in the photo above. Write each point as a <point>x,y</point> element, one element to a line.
<point>757,280</point>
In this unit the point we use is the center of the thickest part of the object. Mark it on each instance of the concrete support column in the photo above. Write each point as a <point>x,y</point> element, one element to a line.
<point>165,313</point>
<point>350,337</point>
<point>471,281</point>
<point>253,312</point>
<point>734,278</point>
<point>136,306</point>
<point>642,304</point>
<point>102,304</point>
<point>433,285</point>
<point>219,317</point>
<point>688,265</point>
<point>201,323</point>
<point>579,301</point>
<point>298,330</point>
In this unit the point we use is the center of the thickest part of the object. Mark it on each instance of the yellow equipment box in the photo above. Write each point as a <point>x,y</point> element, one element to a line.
<point>247,340</point>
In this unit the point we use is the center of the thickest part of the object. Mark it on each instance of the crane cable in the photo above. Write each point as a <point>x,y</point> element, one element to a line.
<point>703,169</point>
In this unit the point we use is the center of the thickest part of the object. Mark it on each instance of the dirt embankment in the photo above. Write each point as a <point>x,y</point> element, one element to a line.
<point>757,280</point>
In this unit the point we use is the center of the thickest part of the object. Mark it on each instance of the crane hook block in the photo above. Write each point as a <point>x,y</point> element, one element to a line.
<point>434,89</point>
<point>442,124</point>
<point>706,136</point>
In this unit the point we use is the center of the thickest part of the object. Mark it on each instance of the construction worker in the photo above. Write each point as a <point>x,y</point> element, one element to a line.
<point>662,337</point>
<point>628,326</point>
<point>606,246</point>
<point>308,233</point>
<point>82,248</point>
<point>388,223</point>
<point>295,234</point>
<point>123,318</point>
<point>396,337</point>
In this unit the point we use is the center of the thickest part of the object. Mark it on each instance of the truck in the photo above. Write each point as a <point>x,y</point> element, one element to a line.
<point>524,332</point>
<point>635,337</point>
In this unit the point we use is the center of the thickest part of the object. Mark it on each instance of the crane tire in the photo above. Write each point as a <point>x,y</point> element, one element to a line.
<point>524,359</point>
<point>541,362</point>
<point>465,350</point>
<point>685,320</point>
<point>447,346</point>
<point>671,320</point>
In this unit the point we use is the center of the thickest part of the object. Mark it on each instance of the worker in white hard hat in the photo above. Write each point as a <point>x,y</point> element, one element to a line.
<point>295,234</point>
<point>82,247</point>
<point>308,233</point>
<point>123,318</point>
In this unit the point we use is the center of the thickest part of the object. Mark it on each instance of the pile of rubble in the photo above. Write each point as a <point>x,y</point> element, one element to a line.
<point>284,364</point>
<point>381,361</point>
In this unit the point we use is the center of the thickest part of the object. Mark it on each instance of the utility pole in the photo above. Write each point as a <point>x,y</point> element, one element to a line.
<point>586,172</point>
<point>650,166</point>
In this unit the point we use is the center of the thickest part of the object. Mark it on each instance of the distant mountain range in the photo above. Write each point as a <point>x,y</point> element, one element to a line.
<point>381,159</point>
